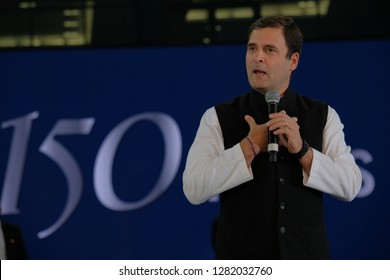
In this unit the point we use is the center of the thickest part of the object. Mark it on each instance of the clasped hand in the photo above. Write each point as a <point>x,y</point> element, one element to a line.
<point>282,125</point>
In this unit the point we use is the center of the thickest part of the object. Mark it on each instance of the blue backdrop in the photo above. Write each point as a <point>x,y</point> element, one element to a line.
<point>93,144</point>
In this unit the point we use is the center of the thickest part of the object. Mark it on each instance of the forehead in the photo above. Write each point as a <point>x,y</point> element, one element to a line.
<point>268,36</point>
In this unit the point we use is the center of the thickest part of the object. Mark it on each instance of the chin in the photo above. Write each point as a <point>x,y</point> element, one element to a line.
<point>260,90</point>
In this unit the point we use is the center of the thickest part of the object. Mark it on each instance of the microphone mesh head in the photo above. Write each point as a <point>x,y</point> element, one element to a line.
<point>272,96</point>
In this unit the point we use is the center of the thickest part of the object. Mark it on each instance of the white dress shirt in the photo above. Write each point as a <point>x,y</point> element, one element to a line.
<point>211,170</point>
<point>3,253</point>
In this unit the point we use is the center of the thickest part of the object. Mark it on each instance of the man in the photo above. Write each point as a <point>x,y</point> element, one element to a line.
<point>11,242</point>
<point>271,210</point>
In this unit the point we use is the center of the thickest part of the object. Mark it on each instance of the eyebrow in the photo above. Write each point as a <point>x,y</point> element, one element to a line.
<point>271,46</point>
<point>251,44</point>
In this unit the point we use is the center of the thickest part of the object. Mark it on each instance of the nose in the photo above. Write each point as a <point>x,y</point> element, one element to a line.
<point>259,56</point>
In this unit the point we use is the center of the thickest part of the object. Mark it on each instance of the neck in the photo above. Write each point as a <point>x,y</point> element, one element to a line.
<point>264,91</point>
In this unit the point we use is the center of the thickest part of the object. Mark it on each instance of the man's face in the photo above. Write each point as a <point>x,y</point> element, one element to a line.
<point>267,65</point>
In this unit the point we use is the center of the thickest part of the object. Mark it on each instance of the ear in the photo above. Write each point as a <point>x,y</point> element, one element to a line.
<point>294,61</point>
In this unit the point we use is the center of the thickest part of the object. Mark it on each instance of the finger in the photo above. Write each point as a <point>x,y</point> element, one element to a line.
<point>251,121</point>
<point>283,120</point>
<point>283,141</point>
<point>278,123</point>
<point>278,114</point>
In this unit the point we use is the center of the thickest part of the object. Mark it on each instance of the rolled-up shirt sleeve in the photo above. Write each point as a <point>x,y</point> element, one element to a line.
<point>334,171</point>
<point>210,169</point>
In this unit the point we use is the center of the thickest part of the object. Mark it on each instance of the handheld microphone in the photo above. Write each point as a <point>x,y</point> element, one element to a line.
<point>272,98</point>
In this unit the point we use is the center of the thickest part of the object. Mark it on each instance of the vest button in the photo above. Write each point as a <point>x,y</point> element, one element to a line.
<point>282,205</point>
<point>282,181</point>
<point>282,230</point>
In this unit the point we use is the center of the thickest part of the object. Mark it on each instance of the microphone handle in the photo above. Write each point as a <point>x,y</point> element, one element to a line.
<point>273,147</point>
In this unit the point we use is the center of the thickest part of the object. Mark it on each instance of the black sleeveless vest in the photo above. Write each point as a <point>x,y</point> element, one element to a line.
<point>272,216</point>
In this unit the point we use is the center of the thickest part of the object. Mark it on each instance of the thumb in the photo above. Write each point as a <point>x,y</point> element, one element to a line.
<point>250,121</point>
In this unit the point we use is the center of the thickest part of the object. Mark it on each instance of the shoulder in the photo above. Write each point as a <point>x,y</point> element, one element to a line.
<point>209,117</point>
<point>9,228</point>
<point>333,116</point>
<point>233,106</point>
<point>308,106</point>
<point>308,109</point>
<point>312,102</point>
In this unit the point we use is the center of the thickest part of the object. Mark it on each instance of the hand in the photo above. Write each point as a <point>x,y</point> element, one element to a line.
<point>287,129</point>
<point>257,133</point>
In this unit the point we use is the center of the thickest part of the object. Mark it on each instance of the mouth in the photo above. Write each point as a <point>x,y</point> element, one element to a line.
<point>259,72</point>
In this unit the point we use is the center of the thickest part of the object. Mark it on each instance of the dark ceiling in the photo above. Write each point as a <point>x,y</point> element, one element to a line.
<point>122,23</point>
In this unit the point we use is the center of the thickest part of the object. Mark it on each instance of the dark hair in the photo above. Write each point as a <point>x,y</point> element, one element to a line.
<point>291,32</point>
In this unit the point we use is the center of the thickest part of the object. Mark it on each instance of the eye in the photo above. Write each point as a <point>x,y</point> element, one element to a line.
<point>270,49</point>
